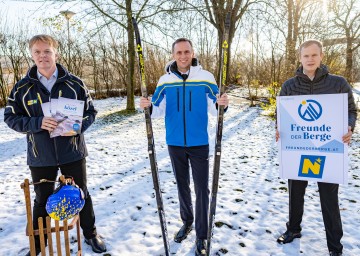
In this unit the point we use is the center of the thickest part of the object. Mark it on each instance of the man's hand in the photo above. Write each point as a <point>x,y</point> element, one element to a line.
<point>223,100</point>
<point>277,135</point>
<point>145,102</point>
<point>49,123</point>
<point>347,137</point>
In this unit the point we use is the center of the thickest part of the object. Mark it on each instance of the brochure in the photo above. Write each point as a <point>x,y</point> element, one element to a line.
<point>67,112</point>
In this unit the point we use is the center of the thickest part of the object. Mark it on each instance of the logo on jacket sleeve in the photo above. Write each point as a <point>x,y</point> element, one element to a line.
<point>311,166</point>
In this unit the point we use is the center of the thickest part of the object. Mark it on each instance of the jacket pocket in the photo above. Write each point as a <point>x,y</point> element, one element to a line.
<point>178,99</point>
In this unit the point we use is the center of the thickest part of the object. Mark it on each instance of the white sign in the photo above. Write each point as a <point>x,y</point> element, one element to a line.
<point>311,129</point>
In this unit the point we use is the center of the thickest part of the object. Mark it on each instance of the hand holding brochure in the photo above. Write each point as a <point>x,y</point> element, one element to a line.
<point>68,113</point>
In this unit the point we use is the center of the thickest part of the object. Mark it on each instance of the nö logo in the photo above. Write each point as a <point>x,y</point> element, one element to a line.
<point>310,110</point>
<point>311,166</point>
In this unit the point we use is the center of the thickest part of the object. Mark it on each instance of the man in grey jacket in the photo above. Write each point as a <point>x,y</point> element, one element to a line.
<point>314,78</point>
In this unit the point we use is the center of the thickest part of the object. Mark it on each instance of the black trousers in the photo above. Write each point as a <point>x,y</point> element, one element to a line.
<point>329,207</point>
<point>43,190</point>
<point>199,160</point>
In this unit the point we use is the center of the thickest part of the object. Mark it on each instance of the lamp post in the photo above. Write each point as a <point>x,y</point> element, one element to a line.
<point>68,15</point>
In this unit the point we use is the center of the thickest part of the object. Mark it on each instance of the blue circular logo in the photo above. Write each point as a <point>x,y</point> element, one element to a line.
<point>310,110</point>
<point>76,127</point>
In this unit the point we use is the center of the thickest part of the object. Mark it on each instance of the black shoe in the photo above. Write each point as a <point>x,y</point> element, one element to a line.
<point>182,234</point>
<point>200,246</point>
<point>288,237</point>
<point>37,252</point>
<point>97,244</point>
<point>332,253</point>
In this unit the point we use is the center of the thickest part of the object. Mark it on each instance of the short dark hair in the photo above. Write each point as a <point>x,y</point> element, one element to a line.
<point>182,39</point>
<point>310,42</point>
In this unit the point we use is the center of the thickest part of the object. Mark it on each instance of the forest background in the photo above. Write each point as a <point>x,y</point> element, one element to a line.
<point>97,40</point>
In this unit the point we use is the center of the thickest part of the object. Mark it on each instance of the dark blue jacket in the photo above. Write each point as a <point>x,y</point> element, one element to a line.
<point>23,113</point>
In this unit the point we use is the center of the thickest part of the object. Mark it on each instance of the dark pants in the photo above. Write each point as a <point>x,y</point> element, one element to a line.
<point>77,170</point>
<point>329,207</point>
<point>199,160</point>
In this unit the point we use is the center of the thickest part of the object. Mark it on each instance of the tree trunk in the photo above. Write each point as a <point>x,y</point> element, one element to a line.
<point>289,40</point>
<point>349,61</point>
<point>130,104</point>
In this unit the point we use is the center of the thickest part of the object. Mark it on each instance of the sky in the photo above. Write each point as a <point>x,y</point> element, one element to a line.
<point>31,8</point>
<point>252,200</point>
<point>31,13</point>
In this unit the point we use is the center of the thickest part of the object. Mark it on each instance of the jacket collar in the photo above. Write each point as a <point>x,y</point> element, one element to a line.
<point>320,73</point>
<point>63,74</point>
<point>171,68</point>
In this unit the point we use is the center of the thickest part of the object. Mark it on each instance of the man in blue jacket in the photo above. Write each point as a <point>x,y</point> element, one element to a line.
<point>314,78</point>
<point>45,81</point>
<point>185,95</point>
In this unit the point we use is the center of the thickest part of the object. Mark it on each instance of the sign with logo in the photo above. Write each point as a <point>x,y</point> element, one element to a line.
<point>311,129</point>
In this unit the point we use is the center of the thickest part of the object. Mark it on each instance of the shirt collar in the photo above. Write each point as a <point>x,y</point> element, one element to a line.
<point>186,73</point>
<point>54,75</point>
<point>311,78</point>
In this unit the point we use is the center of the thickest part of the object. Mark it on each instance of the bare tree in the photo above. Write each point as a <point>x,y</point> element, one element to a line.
<point>347,18</point>
<point>94,63</point>
<point>120,13</point>
<point>299,19</point>
<point>215,13</point>
<point>4,90</point>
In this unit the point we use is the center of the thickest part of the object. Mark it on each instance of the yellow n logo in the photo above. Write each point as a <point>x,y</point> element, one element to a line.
<point>311,166</point>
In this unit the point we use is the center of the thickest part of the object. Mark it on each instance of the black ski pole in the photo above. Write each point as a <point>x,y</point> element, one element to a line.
<point>220,119</point>
<point>151,145</point>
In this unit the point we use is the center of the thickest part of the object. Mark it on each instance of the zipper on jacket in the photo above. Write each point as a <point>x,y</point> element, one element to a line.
<point>190,101</point>
<point>184,116</point>
<point>178,99</point>
<point>55,146</point>
<point>56,153</point>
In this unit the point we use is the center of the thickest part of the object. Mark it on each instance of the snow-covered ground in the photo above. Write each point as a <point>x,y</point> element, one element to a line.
<point>252,201</point>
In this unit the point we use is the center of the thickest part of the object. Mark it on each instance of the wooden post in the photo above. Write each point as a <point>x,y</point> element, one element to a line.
<point>41,235</point>
<point>49,236</point>
<point>58,241</point>
<point>30,227</point>
<point>78,236</point>
<point>66,238</point>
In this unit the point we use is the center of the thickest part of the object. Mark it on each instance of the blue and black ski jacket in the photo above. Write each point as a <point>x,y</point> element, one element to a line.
<point>185,103</point>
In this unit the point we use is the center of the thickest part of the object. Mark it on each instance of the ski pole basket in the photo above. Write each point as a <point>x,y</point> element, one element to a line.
<point>61,230</point>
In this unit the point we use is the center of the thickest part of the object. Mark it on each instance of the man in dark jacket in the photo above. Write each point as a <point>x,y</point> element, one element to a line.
<point>314,78</point>
<point>46,81</point>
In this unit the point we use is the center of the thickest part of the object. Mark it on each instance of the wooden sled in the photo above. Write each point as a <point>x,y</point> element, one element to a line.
<point>64,228</point>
